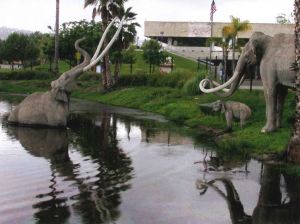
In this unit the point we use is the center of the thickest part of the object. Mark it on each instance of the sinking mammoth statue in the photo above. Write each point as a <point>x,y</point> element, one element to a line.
<point>274,56</point>
<point>51,108</point>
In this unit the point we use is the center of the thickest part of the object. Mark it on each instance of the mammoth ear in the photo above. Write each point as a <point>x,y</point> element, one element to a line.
<point>257,43</point>
<point>254,46</point>
<point>60,95</point>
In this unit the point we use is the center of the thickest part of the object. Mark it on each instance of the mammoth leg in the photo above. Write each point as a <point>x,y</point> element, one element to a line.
<point>229,117</point>
<point>281,94</point>
<point>271,108</point>
<point>242,119</point>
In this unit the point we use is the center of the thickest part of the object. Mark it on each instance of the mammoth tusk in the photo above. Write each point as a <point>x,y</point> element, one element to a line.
<point>225,89</point>
<point>204,82</point>
<point>102,39</point>
<point>218,84</point>
<point>95,61</point>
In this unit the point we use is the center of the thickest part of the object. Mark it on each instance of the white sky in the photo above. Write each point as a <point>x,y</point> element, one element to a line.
<point>36,15</point>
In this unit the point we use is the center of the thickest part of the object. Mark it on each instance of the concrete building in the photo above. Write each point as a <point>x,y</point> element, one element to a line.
<point>189,38</point>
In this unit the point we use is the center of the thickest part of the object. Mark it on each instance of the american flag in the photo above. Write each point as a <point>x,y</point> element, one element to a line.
<point>213,9</point>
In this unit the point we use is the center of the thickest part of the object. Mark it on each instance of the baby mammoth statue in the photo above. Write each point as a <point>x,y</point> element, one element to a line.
<point>232,110</point>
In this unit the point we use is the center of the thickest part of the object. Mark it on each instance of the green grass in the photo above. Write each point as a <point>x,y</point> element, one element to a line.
<point>24,86</point>
<point>63,66</point>
<point>140,67</point>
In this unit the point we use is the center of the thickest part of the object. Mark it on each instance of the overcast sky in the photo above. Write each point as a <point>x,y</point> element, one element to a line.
<point>36,15</point>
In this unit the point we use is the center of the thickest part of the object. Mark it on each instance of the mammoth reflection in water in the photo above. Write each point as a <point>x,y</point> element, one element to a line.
<point>73,191</point>
<point>273,206</point>
<point>49,143</point>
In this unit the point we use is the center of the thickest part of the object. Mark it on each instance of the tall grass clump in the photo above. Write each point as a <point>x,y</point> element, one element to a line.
<point>191,87</point>
<point>25,75</point>
<point>175,79</point>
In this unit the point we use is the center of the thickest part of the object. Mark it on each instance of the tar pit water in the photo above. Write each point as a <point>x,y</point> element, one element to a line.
<point>117,165</point>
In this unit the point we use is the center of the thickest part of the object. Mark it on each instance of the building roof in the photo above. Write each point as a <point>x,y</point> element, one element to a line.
<point>202,29</point>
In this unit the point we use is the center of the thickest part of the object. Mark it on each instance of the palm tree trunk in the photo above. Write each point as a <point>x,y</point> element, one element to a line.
<point>233,54</point>
<point>56,38</point>
<point>107,80</point>
<point>117,72</point>
<point>294,145</point>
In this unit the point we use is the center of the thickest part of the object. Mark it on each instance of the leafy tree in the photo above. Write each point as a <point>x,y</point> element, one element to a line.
<point>19,47</point>
<point>32,51</point>
<point>129,56</point>
<point>231,32</point>
<point>56,45</point>
<point>1,50</point>
<point>282,18</point>
<point>14,48</point>
<point>152,53</point>
<point>126,37</point>
<point>47,47</point>
<point>72,31</point>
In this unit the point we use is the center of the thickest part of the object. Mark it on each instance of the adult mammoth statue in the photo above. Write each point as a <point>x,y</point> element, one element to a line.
<point>274,56</point>
<point>51,108</point>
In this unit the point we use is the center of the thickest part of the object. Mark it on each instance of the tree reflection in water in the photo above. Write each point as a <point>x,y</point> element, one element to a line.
<point>98,194</point>
<point>97,137</point>
<point>274,206</point>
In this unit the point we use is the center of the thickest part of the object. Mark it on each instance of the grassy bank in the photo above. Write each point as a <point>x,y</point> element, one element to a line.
<point>185,110</point>
<point>176,105</point>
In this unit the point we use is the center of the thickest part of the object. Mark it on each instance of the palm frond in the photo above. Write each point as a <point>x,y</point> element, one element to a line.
<point>89,2</point>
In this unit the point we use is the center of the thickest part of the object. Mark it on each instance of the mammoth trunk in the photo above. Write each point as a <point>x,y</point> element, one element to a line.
<point>234,82</point>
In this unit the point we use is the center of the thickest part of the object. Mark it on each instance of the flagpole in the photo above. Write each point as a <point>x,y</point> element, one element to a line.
<point>212,11</point>
<point>211,41</point>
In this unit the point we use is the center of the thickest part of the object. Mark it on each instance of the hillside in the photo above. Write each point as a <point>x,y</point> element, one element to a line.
<point>5,32</point>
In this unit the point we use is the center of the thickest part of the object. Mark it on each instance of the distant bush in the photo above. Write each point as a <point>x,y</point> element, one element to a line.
<point>90,76</point>
<point>191,87</point>
<point>175,79</point>
<point>25,75</point>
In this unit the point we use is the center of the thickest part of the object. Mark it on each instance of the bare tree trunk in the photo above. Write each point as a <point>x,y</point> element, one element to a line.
<point>56,55</point>
<point>294,145</point>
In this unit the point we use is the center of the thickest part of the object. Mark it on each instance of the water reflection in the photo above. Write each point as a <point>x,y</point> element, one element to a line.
<point>51,144</point>
<point>114,169</point>
<point>278,200</point>
<point>94,196</point>
<point>85,175</point>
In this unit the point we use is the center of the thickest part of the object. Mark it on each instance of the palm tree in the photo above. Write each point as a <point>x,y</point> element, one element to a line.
<point>227,35</point>
<point>294,145</point>
<point>231,31</point>
<point>56,55</point>
<point>126,37</point>
<point>107,10</point>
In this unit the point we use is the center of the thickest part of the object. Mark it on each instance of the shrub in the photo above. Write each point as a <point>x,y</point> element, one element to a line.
<point>25,75</point>
<point>191,87</point>
<point>133,80</point>
<point>90,76</point>
<point>175,79</point>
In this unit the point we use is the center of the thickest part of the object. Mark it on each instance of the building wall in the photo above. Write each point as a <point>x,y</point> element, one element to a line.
<point>202,29</point>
